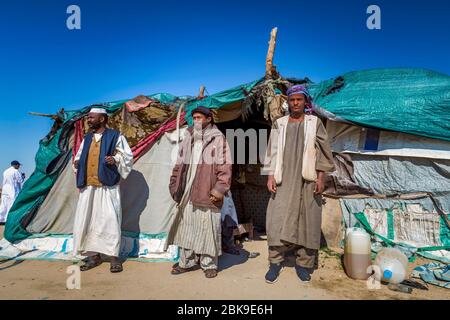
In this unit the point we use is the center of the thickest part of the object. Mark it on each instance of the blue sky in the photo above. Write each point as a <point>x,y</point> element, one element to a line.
<point>126,48</point>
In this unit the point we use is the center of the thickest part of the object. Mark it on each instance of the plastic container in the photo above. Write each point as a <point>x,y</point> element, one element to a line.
<point>357,253</point>
<point>393,265</point>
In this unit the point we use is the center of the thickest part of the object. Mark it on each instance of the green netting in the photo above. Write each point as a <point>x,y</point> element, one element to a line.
<point>414,101</point>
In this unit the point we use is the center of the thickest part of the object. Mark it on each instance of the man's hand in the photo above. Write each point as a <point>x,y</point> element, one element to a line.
<point>271,184</point>
<point>110,160</point>
<point>75,164</point>
<point>215,197</point>
<point>320,183</point>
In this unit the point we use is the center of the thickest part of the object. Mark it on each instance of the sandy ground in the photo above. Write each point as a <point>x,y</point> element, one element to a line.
<point>239,278</point>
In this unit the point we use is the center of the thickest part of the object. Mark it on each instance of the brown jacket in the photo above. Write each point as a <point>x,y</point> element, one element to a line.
<point>213,176</point>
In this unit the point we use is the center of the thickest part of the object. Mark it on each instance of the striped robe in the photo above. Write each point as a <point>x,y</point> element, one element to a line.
<point>197,229</point>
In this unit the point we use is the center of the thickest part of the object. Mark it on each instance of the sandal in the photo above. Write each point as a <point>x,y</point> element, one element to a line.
<point>116,267</point>
<point>211,273</point>
<point>179,270</point>
<point>91,262</point>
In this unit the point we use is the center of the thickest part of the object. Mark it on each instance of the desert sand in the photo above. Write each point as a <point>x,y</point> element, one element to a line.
<point>239,278</point>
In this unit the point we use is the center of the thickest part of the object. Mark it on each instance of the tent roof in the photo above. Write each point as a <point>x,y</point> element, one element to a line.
<point>379,98</point>
<point>414,101</point>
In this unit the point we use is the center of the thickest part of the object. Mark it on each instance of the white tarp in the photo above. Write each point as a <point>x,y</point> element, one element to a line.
<point>350,139</point>
<point>144,248</point>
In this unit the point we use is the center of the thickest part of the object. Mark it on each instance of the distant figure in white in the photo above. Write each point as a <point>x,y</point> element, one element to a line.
<point>103,159</point>
<point>12,184</point>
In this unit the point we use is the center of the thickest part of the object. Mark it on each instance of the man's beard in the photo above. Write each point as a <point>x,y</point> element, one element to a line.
<point>198,131</point>
<point>95,126</point>
<point>296,114</point>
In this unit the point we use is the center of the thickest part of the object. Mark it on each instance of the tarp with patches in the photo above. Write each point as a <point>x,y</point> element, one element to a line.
<point>414,101</point>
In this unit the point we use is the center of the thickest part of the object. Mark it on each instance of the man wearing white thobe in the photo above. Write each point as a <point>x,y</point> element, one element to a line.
<point>12,184</point>
<point>104,157</point>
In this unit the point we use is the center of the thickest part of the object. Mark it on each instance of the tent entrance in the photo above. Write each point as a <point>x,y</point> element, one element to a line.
<point>249,187</point>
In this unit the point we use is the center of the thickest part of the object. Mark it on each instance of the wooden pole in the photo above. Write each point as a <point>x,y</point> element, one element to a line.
<point>53,116</point>
<point>56,117</point>
<point>201,95</point>
<point>271,52</point>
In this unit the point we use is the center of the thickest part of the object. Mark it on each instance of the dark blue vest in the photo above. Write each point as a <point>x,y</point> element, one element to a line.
<point>108,175</point>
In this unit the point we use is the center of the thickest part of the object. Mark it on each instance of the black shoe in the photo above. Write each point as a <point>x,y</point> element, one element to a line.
<point>303,273</point>
<point>273,273</point>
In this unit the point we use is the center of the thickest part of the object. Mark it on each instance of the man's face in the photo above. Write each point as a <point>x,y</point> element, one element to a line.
<point>17,166</point>
<point>95,120</point>
<point>297,103</point>
<point>201,119</point>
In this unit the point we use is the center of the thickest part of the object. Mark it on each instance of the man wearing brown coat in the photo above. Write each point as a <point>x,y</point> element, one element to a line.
<point>199,181</point>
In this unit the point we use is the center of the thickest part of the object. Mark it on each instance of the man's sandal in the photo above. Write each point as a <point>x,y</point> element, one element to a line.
<point>116,267</point>
<point>91,262</point>
<point>179,270</point>
<point>211,273</point>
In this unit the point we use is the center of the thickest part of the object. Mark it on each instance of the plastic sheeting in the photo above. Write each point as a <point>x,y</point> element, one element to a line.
<point>398,175</point>
<point>411,223</point>
<point>57,212</point>
<point>379,98</point>
<point>145,248</point>
<point>345,138</point>
<point>414,101</point>
<point>146,202</point>
<point>34,190</point>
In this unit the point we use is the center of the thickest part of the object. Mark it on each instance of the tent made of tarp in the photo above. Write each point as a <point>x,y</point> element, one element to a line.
<point>402,103</point>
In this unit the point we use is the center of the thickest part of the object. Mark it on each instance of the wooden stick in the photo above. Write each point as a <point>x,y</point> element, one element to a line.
<point>53,116</point>
<point>271,52</point>
<point>202,92</point>
<point>41,114</point>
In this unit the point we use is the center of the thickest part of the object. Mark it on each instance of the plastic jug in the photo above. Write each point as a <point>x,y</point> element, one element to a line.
<point>357,253</point>
<point>393,265</point>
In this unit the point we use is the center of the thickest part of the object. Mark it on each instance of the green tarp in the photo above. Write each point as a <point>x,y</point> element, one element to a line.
<point>414,101</point>
<point>34,190</point>
<point>220,99</point>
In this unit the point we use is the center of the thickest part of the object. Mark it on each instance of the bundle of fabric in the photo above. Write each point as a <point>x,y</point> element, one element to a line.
<point>139,124</point>
<point>267,97</point>
<point>437,274</point>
